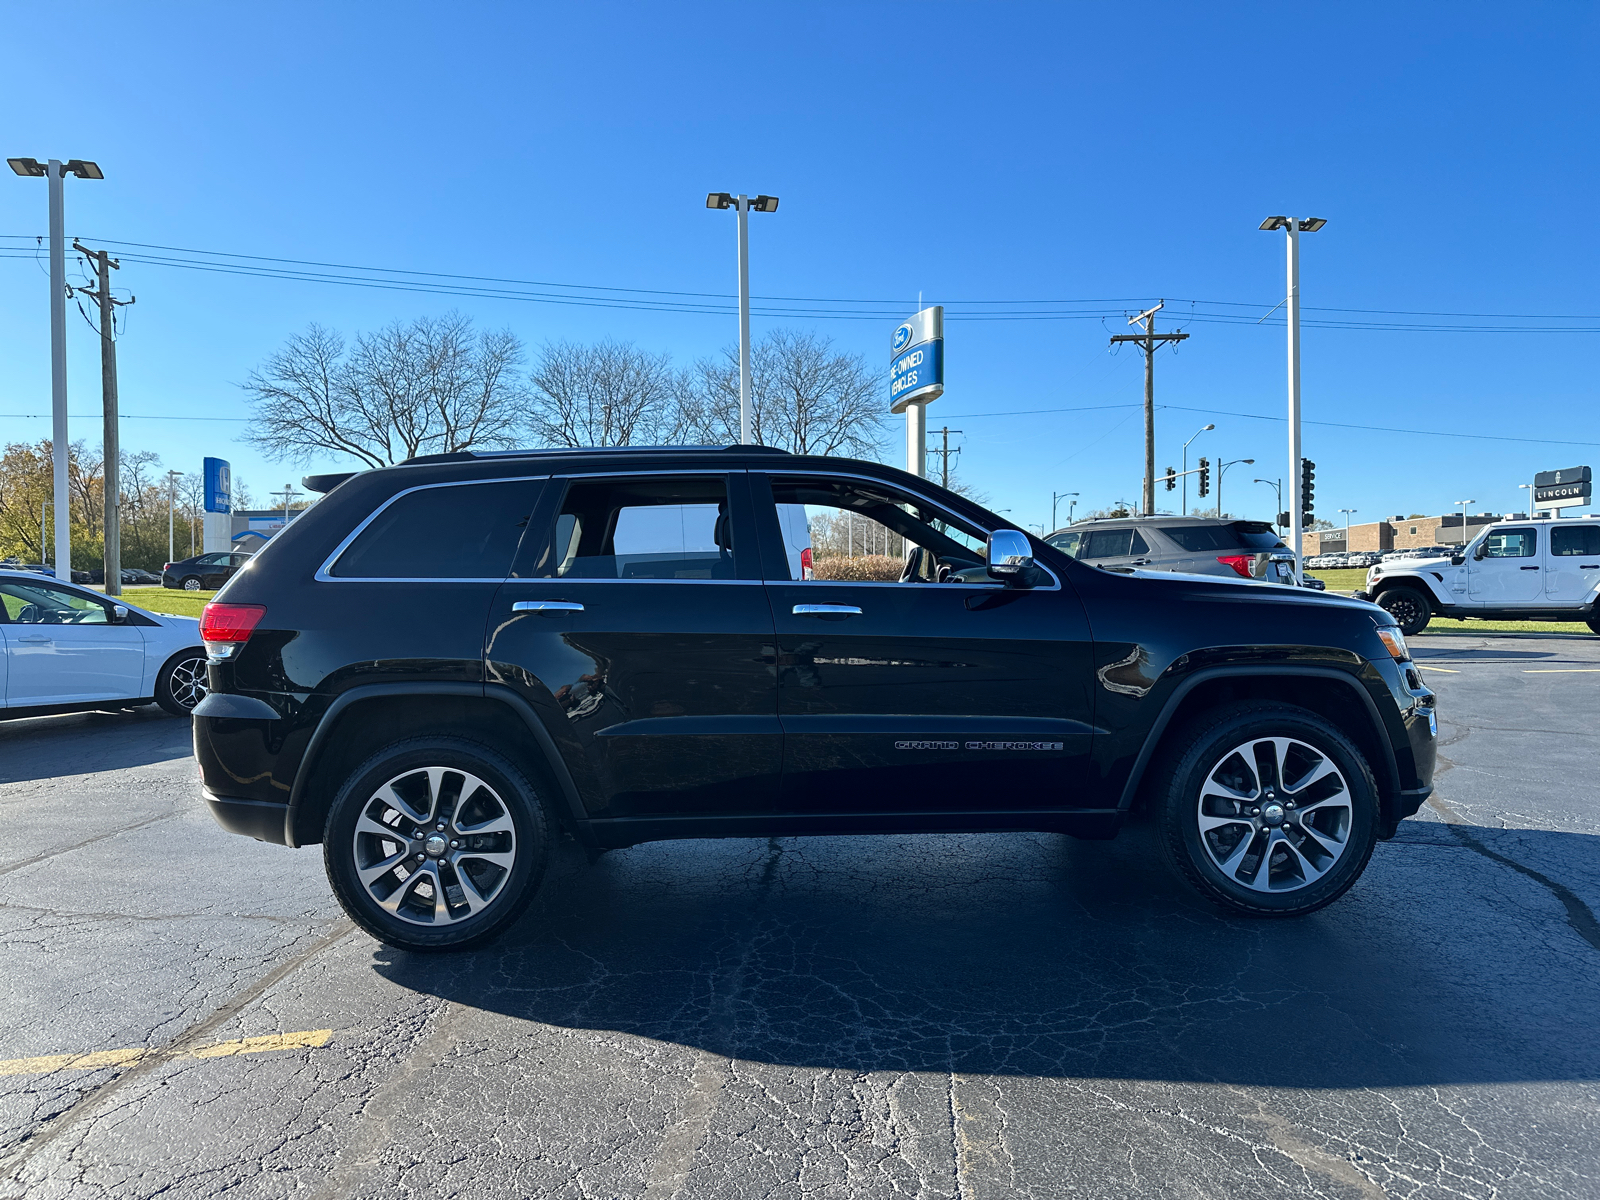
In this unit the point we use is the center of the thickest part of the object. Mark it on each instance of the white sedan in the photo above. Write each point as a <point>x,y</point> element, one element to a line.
<point>64,648</point>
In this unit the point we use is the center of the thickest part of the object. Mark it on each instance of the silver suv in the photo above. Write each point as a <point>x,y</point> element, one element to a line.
<point>1195,545</point>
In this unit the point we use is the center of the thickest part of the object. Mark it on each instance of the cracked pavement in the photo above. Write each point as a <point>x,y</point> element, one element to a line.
<point>1014,1015</point>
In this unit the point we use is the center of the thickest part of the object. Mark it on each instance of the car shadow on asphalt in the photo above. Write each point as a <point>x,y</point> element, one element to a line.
<point>80,743</point>
<point>1033,954</point>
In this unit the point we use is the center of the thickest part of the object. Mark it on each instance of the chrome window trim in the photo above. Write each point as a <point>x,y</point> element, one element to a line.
<point>321,575</point>
<point>1055,585</point>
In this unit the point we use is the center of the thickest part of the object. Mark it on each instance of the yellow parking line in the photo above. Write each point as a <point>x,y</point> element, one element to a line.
<point>44,1064</point>
<point>1446,670</point>
<point>1564,671</point>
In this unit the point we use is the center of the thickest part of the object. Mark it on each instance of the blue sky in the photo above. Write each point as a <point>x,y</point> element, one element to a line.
<point>974,153</point>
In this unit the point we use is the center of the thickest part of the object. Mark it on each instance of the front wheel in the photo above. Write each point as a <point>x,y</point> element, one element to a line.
<point>1409,608</point>
<point>1593,623</point>
<point>1267,809</point>
<point>436,843</point>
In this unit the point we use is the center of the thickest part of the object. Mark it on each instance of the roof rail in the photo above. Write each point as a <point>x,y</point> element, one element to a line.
<point>548,451</point>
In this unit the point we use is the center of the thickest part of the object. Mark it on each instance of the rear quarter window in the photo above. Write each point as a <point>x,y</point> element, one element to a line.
<point>452,531</point>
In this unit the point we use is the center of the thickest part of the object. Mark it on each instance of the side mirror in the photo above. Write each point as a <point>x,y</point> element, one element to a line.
<point>1010,556</point>
<point>1477,554</point>
<point>119,613</point>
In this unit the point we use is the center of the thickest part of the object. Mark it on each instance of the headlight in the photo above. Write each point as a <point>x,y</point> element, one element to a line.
<point>1395,642</point>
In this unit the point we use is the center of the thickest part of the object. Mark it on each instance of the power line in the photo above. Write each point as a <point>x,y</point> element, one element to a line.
<point>122,416</point>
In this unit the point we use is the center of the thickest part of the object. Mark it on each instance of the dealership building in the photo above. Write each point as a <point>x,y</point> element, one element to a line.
<point>1402,533</point>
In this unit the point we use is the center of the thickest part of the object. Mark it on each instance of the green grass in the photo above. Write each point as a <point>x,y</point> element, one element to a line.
<point>1353,579</point>
<point>168,600</point>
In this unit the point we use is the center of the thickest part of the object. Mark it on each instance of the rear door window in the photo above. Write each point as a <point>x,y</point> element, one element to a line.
<point>1575,541</point>
<point>651,528</point>
<point>452,531</point>
<point>1107,543</point>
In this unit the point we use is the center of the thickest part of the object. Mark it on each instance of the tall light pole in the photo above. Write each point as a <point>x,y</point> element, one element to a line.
<point>1464,504</point>
<point>1197,433</point>
<point>172,504</point>
<point>1056,498</point>
<point>1277,486</point>
<point>1347,512</point>
<point>1532,503</point>
<point>1294,226</point>
<point>743,204</point>
<point>1222,469</point>
<point>56,172</point>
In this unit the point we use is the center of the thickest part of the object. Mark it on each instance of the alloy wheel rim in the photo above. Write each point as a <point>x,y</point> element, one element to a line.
<point>191,585</point>
<point>434,846</point>
<point>1275,814</point>
<point>188,683</point>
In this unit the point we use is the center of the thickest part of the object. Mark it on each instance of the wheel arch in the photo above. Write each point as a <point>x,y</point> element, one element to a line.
<point>1324,691</point>
<point>1416,583</point>
<point>362,720</point>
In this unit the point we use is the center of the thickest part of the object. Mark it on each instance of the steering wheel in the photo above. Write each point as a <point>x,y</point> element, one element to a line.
<point>912,571</point>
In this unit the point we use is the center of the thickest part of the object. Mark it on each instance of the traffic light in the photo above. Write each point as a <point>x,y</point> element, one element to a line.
<point>1283,521</point>
<point>1172,479</point>
<point>1308,480</point>
<point>1205,478</point>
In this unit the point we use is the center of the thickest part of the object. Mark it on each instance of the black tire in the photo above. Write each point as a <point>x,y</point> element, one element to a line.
<point>411,923</point>
<point>1301,873</point>
<point>1409,607</point>
<point>181,682</point>
<point>1593,623</point>
<point>191,583</point>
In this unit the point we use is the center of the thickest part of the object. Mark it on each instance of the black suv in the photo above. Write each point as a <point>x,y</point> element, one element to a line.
<point>446,665</point>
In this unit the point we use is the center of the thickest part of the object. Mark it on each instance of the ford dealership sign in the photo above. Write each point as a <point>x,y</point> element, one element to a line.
<point>916,360</point>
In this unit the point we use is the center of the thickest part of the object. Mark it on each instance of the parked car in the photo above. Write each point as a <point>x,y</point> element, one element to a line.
<point>68,649</point>
<point>129,576</point>
<point>1197,545</point>
<point>622,646</point>
<point>1363,558</point>
<point>203,571</point>
<point>1514,570</point>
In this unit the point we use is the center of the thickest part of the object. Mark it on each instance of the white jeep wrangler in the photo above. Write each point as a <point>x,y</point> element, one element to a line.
<point>1545,570</point>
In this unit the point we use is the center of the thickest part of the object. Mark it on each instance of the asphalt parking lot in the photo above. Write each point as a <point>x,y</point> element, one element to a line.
<point>186,1013</point>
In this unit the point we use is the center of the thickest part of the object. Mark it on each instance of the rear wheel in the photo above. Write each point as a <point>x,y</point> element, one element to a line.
<point>1409,608</point>
<point>191,583</point>
<point>1267,809</point>
<point>436,843</point>
<point>181,683</point>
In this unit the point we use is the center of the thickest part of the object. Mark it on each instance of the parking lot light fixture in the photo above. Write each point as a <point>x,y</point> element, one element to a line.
<point>1056,498</point>
<point>1277,486</point>
<point>55,171</point>
<point>1533,503</point>
<point>1464,504</point>
<point>1293,227</point>
<point>743,204</point>
<point>1347,512</point>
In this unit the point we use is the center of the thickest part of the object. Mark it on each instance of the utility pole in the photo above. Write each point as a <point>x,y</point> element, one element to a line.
<point>104,264</point>
<point>944,455</point>
<point>1149,340</point>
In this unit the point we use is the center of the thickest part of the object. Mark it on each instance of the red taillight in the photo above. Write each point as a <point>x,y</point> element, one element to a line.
<point>166,566</point>
<point>230,623</point>
<point>1239,562</point>
<point>805,563</point>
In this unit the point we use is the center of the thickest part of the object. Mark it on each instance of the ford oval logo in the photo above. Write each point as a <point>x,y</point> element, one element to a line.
<point>902,338</point>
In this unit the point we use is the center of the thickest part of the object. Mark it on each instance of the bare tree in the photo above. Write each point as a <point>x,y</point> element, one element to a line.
<point>429,386</point>
<point>806,397</point>
<point>608,394</point>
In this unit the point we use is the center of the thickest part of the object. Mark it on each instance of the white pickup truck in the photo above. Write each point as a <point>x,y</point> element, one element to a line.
<point>1519,570</point>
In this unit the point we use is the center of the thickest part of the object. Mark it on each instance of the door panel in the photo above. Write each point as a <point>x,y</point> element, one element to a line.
<point>651,657</point>
<point>935,698</point>
<point>1510,573</point>
<point>61,648</point>
<point>1572,564</point>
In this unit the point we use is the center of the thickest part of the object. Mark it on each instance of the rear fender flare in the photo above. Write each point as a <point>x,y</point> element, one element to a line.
<point>476,691</point>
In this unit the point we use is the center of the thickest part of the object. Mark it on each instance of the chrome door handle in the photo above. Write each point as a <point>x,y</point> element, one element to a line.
<point>546,606</point>
<point>826,610</point>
